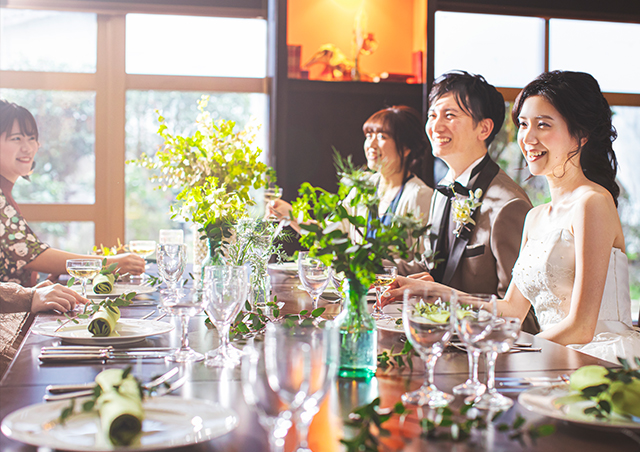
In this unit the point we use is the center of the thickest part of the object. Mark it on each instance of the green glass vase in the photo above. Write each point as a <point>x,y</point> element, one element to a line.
<point>214,256</point>
<point>358,334</point>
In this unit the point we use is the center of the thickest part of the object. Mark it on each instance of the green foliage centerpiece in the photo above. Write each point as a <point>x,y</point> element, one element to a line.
<point>325,217</point>
<point>214,169</point>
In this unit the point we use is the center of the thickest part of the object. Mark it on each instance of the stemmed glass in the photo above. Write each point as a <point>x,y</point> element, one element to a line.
<point>470,305</point>
<point>84,270</point>
<point>271,195</point>
<point>144,249</point>
<point>301,362</point>
<point>499,334</point>
<point>426,322</point>
<point>226,288</point>
<point>382,282</point>
<point>172,260</point>
<point>337,279</point>
<point>314,275</point>
<point>184,303</point>
<point>272,415</point>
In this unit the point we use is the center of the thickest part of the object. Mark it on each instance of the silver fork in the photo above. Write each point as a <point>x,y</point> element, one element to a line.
<point>64,392</point>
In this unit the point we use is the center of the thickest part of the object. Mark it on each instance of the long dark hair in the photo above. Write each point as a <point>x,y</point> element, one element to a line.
<point>10,112</point>
<point>405,126</point>
<point>578,98</point>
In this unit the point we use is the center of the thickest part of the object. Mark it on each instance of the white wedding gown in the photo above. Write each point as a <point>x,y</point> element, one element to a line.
<point>545,272</point>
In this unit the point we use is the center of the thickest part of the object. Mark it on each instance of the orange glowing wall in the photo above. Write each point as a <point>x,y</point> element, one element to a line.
<point>398,27</point>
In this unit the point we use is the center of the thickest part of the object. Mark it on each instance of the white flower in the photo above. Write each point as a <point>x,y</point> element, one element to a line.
<point>20,264</point>
<point>2,229</point>
<point>9,211</point>
<point>19,235</point>
<point>19,248</point>
<point>3,201</point>
<point>30,237</point>
<point>463,208</point>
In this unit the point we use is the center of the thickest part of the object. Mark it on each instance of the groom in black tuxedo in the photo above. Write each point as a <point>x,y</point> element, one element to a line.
<point>474,252</point>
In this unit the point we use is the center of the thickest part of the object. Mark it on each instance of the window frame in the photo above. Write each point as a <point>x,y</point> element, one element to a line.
<point>110,83</point>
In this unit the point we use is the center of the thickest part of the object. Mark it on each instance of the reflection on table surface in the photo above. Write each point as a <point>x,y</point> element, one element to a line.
<point>26,380</point>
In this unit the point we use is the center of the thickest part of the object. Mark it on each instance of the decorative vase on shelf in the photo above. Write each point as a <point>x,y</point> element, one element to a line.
<point>358,334</point>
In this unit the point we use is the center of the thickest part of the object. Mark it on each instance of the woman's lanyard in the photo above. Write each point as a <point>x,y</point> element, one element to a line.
<point>387,217</point>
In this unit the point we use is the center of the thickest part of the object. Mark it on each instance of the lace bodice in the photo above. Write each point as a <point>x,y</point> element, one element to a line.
<point>545,272</point>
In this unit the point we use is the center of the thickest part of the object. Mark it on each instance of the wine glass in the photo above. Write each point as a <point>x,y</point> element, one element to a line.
<point>272,415</point>
<point>381,284</point>
<point>184,303</point>
<point>337,279</point>
<point>271,195</point>
<point>470,305</point>
<point>144,249</point>
<point>172,260</point>
<point>427,325</point>
<point>226,288</point>
<point>314,275</point>
<point>498,337</point>
<point>171,236</point>
<point>84,269</point>
<point>301,361</point>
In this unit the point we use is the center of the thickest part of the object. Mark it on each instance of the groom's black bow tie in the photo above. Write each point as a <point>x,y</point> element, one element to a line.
<point>450,190</point>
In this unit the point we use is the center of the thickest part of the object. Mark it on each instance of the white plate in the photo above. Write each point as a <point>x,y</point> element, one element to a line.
<point>169,422</point>
<point>544,400</point>
<point>118,289</point>
<point>127,331</point>
<point>394,311</point>
<point>288,268</point>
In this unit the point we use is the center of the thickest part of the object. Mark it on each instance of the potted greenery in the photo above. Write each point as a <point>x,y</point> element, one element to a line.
<point>214,169</point>
<point>323,216</point>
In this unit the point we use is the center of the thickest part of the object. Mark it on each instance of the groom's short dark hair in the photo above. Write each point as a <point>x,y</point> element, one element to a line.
<point>474,95</point>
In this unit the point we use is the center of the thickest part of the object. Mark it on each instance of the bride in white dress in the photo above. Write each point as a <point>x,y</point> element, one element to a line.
<point>572,266</point>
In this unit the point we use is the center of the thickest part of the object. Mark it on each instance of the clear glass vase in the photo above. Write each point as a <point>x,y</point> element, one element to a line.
<point>358,334</point>
<point>214,256</point>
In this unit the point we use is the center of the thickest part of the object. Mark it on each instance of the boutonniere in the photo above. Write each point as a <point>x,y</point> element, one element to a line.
<point>463,208</point>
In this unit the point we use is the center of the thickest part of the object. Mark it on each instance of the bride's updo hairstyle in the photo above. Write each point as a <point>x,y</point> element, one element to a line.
<point>405,126</point>
<point>577,97</point>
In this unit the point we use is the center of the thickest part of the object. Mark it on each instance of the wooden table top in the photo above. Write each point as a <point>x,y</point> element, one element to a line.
<point>25,382</point>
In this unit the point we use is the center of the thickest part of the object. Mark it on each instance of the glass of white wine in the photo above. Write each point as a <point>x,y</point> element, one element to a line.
<point>84,269</point>
<point>382,282</point>
<point>271,195</point>
<point>144,249</point>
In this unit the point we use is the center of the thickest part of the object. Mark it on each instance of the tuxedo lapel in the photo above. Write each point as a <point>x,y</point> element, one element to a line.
<point>439,201</point>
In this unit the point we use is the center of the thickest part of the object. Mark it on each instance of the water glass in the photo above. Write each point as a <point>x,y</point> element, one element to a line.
<point>258,395</point>
<point>381,284</point>
<point>427,325</point>
<point>171,236</point>
<point>301,362</point>
<point>314,275</point>
<point>144,249</point>
<point>226,289</point>
<point>172,260</point>
<point>84,270</point>
<point>471,305</point>
<point>184,303</point>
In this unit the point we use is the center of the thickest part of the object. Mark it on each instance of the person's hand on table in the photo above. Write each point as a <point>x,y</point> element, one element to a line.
<point>282,211</point>
<point>128,263</point>
<point>48,296</point>
<point>423,276</point>
<point>396,289</point>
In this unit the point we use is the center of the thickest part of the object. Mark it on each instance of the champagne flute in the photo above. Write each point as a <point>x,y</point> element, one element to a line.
<point>427,325</point>
<point>381,284</point>
<point>84,269</point>
<point>226,288</point>
<point>271,195</point>
<point>144,249</point>
<point>301,361</point>
<point>314,275</point>
<point>272,415</point>
<point>172,260</point>
<point>470,305</point>
<point>184,303</point>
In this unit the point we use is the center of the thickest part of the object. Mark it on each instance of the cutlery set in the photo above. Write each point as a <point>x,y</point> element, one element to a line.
<point>517,384</point>
<point>71,353</point>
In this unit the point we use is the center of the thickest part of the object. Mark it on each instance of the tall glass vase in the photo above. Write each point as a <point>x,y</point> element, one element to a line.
<point>358,334</point>
<point>214,256</point>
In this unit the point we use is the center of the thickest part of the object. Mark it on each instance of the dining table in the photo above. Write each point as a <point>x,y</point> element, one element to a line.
<point>25,384</point>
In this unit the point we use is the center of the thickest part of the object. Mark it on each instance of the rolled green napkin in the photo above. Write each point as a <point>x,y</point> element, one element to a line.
<point>103,284</point>
<point>103,322</point>
<point>119,406</point>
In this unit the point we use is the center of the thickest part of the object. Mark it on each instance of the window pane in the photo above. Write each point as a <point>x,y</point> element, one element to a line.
<point>65,162</point>
<point>627,123</point>
<point>72,236</point>
<point>507,50</point>
<point>47,41</point>
<point>147,210</point>
<point>606,50</point>
<point>204,46</point>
